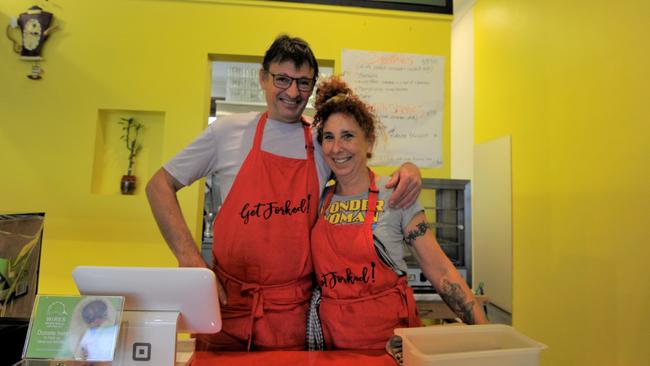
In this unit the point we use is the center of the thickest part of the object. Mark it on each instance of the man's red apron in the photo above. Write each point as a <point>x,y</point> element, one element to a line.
<point>363,299</point>
<point>261,250</point>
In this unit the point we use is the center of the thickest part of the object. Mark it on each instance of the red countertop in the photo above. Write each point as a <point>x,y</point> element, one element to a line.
<point>291,358</point>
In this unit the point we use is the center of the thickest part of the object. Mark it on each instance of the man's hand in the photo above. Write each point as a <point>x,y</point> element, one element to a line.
<point>223,299</point>
<point>407,182</point>
<point>191,259</point>
<point>197,261</point>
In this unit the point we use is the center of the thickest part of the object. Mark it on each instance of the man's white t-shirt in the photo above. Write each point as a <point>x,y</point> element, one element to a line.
<point>222,147</point>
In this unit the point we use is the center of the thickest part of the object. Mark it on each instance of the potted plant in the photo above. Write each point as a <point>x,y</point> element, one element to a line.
<point>131,129</point>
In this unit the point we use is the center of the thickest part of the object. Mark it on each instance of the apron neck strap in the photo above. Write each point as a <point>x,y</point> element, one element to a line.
<point>309,141</point>
<point>259,132</point>
<point>373,193</point>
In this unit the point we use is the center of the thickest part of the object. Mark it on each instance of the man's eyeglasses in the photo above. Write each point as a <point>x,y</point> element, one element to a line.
<point>284,82</point>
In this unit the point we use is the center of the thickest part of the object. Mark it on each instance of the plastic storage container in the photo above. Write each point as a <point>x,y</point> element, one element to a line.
<point>475,345</point>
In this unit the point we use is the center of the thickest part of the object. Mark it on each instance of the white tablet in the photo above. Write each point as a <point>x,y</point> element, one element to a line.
<point>190,291</point>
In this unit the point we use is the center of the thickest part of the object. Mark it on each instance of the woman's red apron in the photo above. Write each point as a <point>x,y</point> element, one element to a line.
<point>363,299</point>
<point>261,250</point>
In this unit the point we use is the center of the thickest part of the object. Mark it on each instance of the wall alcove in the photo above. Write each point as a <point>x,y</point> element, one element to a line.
<point>111,154</point>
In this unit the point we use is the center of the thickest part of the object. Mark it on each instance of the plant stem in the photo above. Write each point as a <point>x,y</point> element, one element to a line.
<point>131,144</point>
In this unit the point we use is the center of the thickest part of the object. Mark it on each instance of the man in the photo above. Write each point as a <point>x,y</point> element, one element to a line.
<point>271,174</point>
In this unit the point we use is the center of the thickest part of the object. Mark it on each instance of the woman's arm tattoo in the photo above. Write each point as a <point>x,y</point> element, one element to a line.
<point>419,230</point>
<point>452,294</point>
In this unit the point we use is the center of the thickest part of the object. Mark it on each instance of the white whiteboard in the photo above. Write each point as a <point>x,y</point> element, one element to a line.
<point>407,94</point>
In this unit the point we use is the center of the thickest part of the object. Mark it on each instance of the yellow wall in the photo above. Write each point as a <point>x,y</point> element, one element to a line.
<point>568,81</point>
<point>149,56</point>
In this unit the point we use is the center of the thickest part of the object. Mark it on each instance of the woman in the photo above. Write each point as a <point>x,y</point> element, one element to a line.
<point>357,240</point>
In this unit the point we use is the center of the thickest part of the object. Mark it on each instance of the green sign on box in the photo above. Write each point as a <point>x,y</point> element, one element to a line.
<point>74,328</point>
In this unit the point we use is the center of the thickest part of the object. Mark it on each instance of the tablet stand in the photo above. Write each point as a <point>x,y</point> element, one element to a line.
<point>154,300</point>
<point>147,338</point>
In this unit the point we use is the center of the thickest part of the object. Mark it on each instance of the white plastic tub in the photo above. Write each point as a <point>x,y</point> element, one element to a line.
<point>472,345</point>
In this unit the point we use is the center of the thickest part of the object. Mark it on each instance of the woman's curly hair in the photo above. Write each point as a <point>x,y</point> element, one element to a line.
<point>333,95</point>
